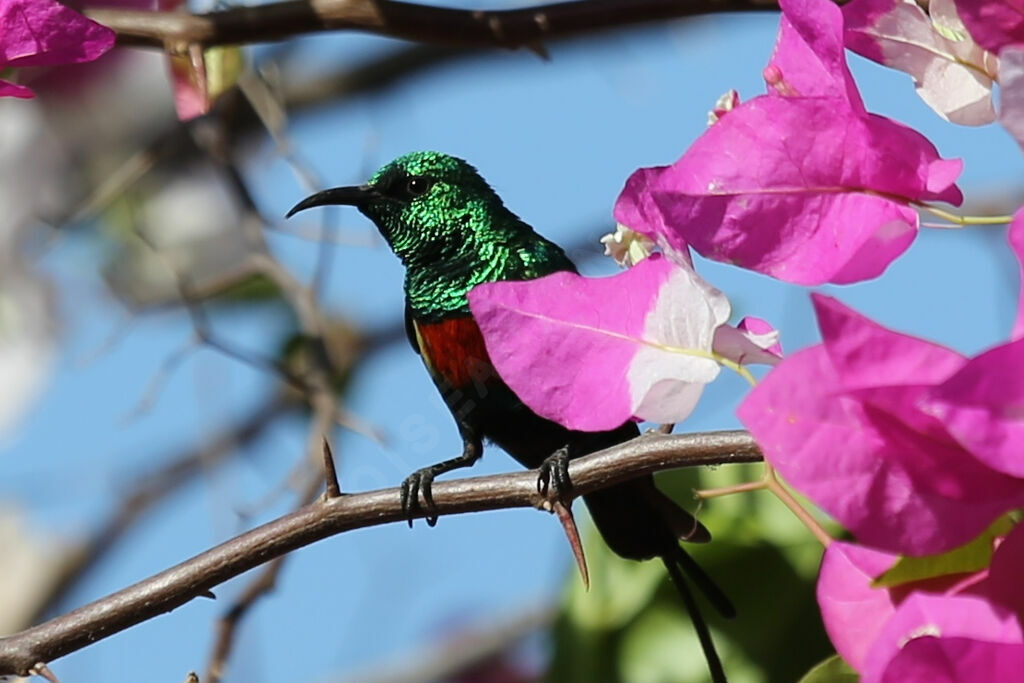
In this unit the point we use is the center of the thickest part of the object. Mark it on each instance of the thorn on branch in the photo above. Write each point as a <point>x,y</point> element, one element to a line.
<point>40,669</point>
<point>207,594</point>
<point>572,534</point>
<point>540,50</point>
<point>330,473</point>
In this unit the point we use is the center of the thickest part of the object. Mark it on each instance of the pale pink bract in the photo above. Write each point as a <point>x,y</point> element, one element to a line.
<point>953,74</point>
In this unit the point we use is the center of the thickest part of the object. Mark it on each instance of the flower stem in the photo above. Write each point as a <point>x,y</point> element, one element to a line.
<point>704,494</point>
<point>727,363</point>
<point>773,484</point>
<point>961,221</point>
<point>737,368</point>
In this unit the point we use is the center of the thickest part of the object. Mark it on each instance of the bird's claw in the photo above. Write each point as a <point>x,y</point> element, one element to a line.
<point>553,475</point>
<point>420,480</point>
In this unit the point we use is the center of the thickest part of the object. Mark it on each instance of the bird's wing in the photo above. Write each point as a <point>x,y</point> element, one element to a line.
<point>410,329</point>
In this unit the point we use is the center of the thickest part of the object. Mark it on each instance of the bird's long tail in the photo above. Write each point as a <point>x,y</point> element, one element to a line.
<point>639,522</point>
<point>718,599</point>
<point>676,567</point>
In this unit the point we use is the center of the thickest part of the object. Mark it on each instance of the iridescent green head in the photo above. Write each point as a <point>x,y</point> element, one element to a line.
<point>449,228</point>
<point>427,205</point>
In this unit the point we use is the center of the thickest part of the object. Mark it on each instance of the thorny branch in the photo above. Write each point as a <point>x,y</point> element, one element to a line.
<point>265,582</point>
<point>33,647</point>
<point>157,486</point>
<point>512,28</point>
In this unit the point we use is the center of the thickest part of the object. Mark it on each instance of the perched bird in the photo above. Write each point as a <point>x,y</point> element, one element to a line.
<point>452,232</point>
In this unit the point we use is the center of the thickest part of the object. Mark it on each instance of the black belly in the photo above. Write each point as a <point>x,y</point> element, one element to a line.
<point>631,516</point>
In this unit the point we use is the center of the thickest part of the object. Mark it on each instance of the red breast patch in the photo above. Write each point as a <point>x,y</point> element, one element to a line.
<point>455,350</point>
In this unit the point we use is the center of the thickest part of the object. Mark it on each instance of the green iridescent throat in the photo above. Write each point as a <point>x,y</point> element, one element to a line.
<point>455,235</point>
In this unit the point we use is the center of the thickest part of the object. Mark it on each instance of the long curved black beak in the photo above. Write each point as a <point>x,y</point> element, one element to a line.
<point>351,196</point>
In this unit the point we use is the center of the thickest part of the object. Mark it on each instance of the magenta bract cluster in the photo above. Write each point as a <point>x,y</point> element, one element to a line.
<point>802,184</point>
<point>915,449</point>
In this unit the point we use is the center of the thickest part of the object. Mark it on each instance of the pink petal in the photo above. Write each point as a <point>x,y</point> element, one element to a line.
<point>947,638</point>
<point>8,89</point>
<point>954,660</point>
<point>868,455</point>
<point>752,326</point>
<point>982,406</point>
<point>592,353</point>
<point>951,76</point>
<point>866,355</point>
<point>868,472</point>
<point>795,189</point>
<point>1003,583</point>
<point>809,55</point>
<point>201,76</point>
<point>44,32</point>
<point>852,610</point>
<point>190,87</point>
<point>993,23</point>
<point>137,4</point>
<point>1016,239</point>
<point>1011,91</point>
<point>752,341</point>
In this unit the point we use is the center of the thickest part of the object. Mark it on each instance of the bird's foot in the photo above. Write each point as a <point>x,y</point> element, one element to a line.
<point>420,480</point>
<point>553,476</point>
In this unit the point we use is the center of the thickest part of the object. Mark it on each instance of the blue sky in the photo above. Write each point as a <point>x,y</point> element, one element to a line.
<point>557,140</point>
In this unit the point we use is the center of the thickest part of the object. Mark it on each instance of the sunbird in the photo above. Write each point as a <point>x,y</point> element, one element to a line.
<point>452,232</point>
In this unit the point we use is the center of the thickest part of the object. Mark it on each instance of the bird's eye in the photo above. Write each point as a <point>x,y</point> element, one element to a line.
<point>418,185</point>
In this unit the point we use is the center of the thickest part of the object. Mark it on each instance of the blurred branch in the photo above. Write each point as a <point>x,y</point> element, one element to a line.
<point>227,625</point>
<point>512,28</point>
<point>376,75</point>
<point>157,486</point>
<point>447,659</point>
<point>21,652</point>
<point>264,583</point>
<point>316,382</point>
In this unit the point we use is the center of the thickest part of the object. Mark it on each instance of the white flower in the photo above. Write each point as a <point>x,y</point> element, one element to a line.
<point>626,246</point>
<point>723,105</point>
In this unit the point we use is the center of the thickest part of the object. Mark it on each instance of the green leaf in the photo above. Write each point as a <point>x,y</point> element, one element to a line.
<point>661,647</point>
<point>832,670</point>
<point>971,557</point>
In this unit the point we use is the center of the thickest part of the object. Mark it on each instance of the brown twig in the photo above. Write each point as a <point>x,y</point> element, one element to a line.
<point>21,652</point>
<point>264,583</point>
<point>227,625</point>
<point>156,486</point>
<point>523,27</point>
